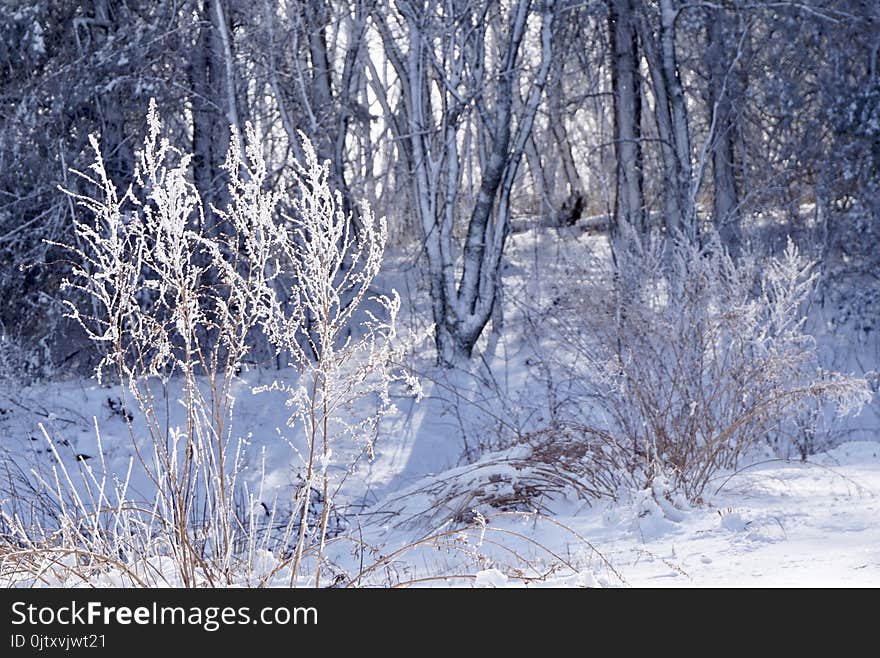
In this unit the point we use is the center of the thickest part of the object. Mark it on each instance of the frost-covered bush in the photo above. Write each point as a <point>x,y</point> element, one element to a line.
<point>176,294</point>
<point>334,267</point>
<point>694,360</point>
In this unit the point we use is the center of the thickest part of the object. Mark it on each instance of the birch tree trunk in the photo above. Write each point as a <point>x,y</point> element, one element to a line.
<point>672,120</point>
<point>679,113</point>
<point>443,82</point>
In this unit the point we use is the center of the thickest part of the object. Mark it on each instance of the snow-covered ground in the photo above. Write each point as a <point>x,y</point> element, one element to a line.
<point>776,524</point>
<point>771,523</point>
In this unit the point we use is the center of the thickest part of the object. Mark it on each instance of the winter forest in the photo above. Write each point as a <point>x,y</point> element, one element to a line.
<point>406,293</point>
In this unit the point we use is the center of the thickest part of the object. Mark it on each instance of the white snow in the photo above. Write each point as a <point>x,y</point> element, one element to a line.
<point>770,523</point>
<point>777,524</point>
<point>490,578</point>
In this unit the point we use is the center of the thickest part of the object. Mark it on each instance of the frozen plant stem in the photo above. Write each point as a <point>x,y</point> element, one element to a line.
<point>179,300</point>
<point>340,361</point>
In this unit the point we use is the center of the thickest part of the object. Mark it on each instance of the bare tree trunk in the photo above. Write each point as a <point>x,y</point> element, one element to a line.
<point>681,132</point>
<point>115,148</point>
<point>329,133</point>
<point>209,72</point>
<point>629,205</point>
<point>718,65</point>
<point>200,76</point>
<point>431,144</point>
<point>557,140</point>
<point>222,28</point>
<point>542,175</point>
<point>321,104</point>
<point>563,145</point>
<point>740,139</point>
<point>672,121</point>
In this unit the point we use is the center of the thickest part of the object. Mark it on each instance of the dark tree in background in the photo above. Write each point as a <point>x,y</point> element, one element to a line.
<point>458,119</point>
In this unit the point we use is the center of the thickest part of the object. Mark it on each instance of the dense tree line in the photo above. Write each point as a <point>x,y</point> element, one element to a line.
<point>459,120</point>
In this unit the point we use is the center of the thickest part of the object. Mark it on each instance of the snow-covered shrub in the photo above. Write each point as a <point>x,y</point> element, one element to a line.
<point>176,294</point>
<point>694,360</point>
<point>334,266</point>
